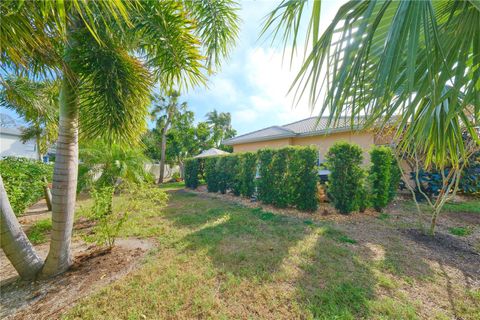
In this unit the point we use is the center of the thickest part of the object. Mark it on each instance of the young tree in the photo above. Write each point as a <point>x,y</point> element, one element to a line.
<point>166,111</point>
<point>102,53</point>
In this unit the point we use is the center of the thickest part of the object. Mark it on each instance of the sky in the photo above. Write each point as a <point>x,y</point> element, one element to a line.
<point>253,82</point>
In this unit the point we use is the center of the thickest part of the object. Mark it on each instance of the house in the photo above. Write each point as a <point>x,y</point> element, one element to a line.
<point>11,144</point>
<point>306,132</point>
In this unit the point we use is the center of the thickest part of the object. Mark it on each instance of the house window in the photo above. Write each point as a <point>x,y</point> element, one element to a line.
<point>320,159</point>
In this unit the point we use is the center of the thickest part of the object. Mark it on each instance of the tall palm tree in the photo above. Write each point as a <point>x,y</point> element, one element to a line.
<point>106,54</point>
<point>414,65</point>
<point>166,111</point>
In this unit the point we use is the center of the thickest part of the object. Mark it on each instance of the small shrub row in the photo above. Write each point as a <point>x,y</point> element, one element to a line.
<point>235,172</point>
<point>288,177</point>
<point>24,181</point>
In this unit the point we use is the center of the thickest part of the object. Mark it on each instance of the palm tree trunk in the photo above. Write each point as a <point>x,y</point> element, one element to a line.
<point>162,155</point>
<point>46,190</point>
<point>14,242</point>
<point>64,186</point>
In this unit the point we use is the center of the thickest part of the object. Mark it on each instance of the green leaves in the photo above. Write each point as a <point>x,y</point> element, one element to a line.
<point>114,90</point>
<point>395,62</point>
<point>345,182</point>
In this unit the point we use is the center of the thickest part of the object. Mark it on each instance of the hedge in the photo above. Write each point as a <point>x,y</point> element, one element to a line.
<point>346,180</point>
<point>287,176</point>
<point>380,176</point>
<point>23,180</point>
<point>192,168</point>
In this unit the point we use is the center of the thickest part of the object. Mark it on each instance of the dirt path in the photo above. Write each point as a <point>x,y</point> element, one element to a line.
<point>93,269</point>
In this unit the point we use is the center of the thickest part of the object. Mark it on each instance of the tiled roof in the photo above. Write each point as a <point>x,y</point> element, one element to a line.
<point>305,127</point>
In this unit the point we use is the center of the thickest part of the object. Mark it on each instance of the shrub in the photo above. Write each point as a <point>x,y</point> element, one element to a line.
<point>191,173</point>
<point>23,180</point>
<point>247,173</point>
<point>380,176</point>
<point>281,188</point>
<point>345,180</point>
<point>109,219</point>
<point>395,178</point>
<point>211,176</point>
<point>265,182</point>
<point>303,178</point>
<point>233,167</point>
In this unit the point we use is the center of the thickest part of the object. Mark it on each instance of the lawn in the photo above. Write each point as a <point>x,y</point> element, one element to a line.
<point>219,260</point>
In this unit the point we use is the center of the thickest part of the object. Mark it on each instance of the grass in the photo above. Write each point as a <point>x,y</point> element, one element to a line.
<point>467,206</point>
<point>218,260</point>
<point>460,231</point>
<point>38,231</point>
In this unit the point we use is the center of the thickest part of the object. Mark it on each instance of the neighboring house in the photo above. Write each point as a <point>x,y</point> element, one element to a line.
<point>310,131</point>
<point>11,144</point>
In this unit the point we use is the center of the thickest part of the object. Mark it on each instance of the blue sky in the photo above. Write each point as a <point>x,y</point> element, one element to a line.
<point>253,82</point>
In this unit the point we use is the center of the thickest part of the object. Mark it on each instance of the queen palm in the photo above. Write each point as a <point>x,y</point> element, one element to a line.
<point>107,54</point>
<point>412,64</point>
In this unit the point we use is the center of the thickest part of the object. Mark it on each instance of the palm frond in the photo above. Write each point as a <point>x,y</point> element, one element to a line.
<point>389,60</point>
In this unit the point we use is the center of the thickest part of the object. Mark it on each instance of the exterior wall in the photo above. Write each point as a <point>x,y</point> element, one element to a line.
<point>364,139</point>
<point>11,145</point>
<point>323,142</point>
<point>254,146</point>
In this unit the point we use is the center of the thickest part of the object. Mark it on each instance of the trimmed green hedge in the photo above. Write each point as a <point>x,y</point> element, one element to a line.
<point>288,176</point>
<point>192,168</point>
<point>380,176</point>
<point>346,180</point>
<point>23,180</point>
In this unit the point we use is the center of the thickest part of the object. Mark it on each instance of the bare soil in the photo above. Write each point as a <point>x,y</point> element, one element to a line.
<point>93,268</point>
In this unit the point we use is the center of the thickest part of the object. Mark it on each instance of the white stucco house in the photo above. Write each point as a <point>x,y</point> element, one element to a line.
<point>12,145</point>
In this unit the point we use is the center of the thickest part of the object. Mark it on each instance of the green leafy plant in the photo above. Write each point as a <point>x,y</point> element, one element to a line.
<point>460,231</point>
<point>346,177</point>
<point>23,179</point>
<point>380,177</point>
<point>247,173</point>
<point>211,176</point>
<point>191,173</point>
<point>266,179</point>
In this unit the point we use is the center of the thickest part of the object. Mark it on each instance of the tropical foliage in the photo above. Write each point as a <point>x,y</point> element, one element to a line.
<point>412,63</point>
<point>106,55</point>
<point>23,179</point>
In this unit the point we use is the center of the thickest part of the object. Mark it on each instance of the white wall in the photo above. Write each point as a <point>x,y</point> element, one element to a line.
<point>11,145</point>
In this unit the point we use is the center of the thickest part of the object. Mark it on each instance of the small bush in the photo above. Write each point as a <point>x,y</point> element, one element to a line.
<point>247,173</point>
<point>380,176</point>
<point>303,178</point>
<point>211,174</point>
<point>460,231</point>
<point>346,178</point>
<point>266,180</point>
<point>23,180</point>
<point>395,178</point>
<point>191,174</point>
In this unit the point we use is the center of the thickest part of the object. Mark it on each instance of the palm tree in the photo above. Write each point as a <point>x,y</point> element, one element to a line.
<point>166,111</point>
<point>106,55</point>
<point>413,65</point>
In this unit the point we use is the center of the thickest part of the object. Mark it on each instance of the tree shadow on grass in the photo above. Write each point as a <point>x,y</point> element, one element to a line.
<point>247,242</point>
